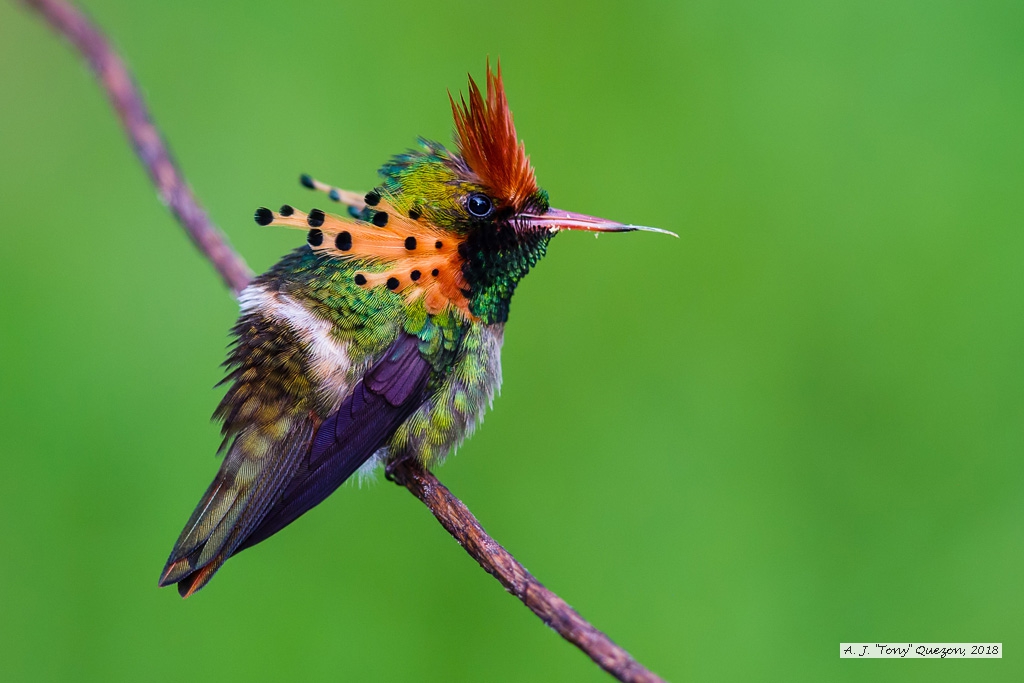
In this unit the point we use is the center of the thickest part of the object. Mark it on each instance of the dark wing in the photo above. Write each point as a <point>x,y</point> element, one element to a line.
<point>386,396</point>
<point>307,471</point>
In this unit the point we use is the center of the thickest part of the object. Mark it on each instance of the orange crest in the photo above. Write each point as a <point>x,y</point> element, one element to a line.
<point>487,141</point>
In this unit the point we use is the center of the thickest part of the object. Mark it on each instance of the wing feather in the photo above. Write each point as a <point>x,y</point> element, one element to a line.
<point>388,393</point>
<point>264,485</point>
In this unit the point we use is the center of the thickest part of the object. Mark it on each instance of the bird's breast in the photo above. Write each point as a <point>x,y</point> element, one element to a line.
<point>458,405</point>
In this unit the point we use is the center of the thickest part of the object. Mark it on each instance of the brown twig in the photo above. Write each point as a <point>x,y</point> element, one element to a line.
<point>449,510</point>
<point>454,516</point>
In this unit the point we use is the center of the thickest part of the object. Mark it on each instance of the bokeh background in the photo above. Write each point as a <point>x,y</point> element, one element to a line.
<point>799,424</point>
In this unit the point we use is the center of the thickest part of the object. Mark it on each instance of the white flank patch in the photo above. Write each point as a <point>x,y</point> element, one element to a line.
<point>367,472</point>
<point>329,359</point>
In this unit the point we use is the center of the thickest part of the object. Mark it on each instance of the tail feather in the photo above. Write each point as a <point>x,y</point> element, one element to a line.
<point>246,487</point>
<point>196,580</point>
<point>211,510</point>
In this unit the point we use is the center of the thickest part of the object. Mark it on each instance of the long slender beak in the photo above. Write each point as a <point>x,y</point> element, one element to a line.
<point>556,219</point>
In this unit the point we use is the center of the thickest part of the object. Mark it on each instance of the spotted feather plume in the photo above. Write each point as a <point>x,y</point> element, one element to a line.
<point>419,259</point>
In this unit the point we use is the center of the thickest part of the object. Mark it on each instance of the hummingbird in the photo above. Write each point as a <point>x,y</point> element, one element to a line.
<point>378,339</point>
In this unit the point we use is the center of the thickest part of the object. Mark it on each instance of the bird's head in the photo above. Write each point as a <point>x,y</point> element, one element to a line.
<point>453,227</point>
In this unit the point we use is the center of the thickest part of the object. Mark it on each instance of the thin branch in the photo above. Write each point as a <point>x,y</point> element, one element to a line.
<point>117,82</point>
<point>449,510</point>
<point>454,516</point>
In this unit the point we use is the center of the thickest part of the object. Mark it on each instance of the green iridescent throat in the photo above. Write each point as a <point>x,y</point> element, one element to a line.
<point>497,256</point>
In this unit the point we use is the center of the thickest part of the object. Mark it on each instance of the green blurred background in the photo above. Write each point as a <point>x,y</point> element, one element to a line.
<point>799,424</point>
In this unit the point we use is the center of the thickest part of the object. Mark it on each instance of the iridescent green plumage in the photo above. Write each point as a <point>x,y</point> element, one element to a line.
<point>380,338</point>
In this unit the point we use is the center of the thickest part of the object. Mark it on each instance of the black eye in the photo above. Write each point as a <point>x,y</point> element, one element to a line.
<point>479,204</point>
